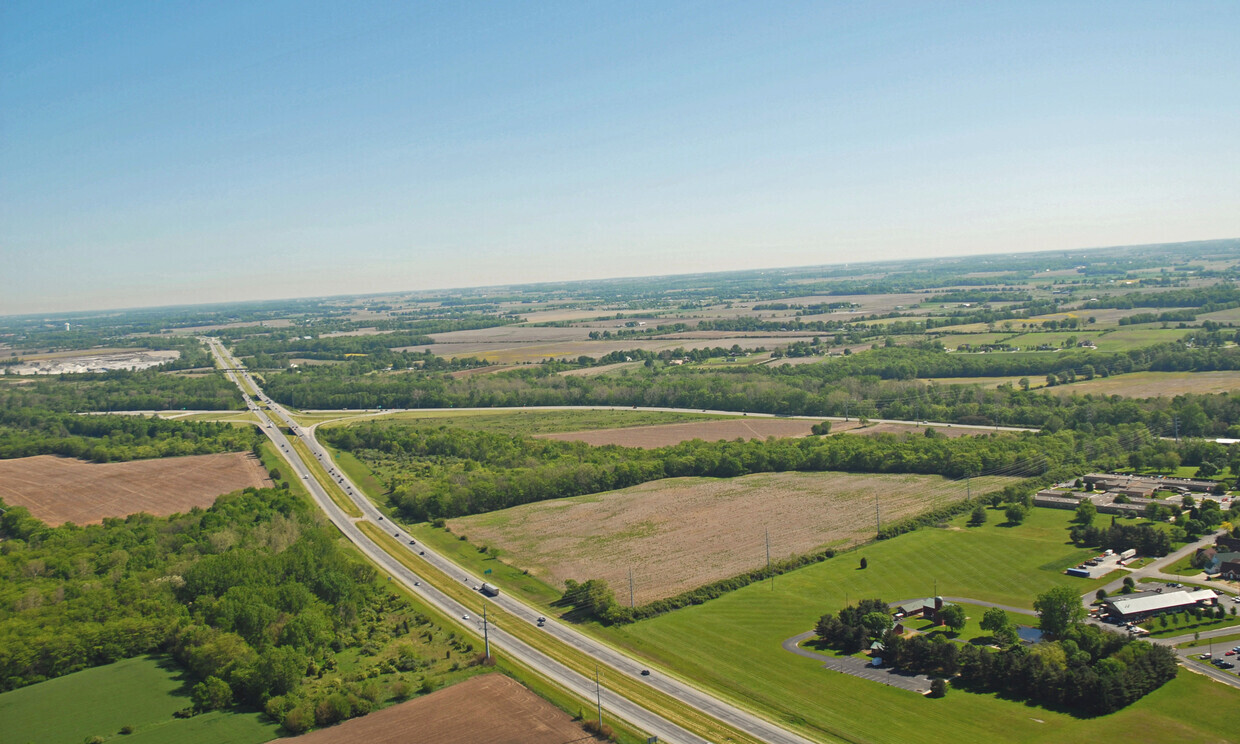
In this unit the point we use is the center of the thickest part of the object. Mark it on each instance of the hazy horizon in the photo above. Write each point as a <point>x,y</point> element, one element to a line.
<point>158,155</point>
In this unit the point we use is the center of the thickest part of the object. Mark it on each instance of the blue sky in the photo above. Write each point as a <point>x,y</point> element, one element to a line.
<point>156,153</point>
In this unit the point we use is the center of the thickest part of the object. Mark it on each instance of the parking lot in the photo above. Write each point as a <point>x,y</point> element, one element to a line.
<point>1101,566</point>
<point>1222,660</point>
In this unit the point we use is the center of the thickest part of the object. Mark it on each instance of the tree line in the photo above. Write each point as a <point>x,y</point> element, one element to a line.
<point>443,473</point>
<point>102,438</point>
<point>122,390</point>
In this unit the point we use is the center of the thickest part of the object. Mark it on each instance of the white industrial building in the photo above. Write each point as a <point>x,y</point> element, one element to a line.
<point>1141,605</point>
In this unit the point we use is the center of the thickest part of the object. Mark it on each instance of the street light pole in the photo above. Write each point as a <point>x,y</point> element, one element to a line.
<point>598,693</point>
<point>486,639</point>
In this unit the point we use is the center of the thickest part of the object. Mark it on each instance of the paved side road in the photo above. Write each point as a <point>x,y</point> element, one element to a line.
<point>919,683</point>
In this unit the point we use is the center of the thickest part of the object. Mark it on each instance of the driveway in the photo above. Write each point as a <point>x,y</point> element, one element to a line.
<point>858,667</point>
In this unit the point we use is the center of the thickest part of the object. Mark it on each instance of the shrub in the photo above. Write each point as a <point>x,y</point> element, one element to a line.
<point>299,720</point>
<point>938,688</point>
<point>597,729</point>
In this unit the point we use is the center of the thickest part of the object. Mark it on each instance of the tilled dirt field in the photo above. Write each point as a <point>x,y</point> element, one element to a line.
<point>681,533</point>
<point>60,489</point>
<point>491,708</point>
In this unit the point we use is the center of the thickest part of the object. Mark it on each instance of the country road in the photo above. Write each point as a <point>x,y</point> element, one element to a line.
<point>612,661</point>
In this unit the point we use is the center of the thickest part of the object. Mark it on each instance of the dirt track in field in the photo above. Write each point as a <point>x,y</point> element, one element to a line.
<point>491,708</point>
<point>681,533</point>
<point>60,489</point>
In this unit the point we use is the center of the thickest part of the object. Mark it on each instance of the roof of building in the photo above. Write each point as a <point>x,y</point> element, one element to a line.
<point>916,605</point>
<point>1132,604</point>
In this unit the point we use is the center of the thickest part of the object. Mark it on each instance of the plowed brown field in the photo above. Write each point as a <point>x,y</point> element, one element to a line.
<point>680,533</point>
<point>61,489</point>
<point>491,708</point>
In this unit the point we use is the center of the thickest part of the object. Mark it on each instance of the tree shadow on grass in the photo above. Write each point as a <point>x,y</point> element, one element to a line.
<point>980,689</point>
<point>178,673</point>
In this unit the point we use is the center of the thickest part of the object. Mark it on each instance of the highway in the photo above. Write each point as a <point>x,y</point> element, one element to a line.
<point>611,661</point>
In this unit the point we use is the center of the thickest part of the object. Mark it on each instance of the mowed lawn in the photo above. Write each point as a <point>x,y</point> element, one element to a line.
<point>142,692</point>
<point>732,644</point>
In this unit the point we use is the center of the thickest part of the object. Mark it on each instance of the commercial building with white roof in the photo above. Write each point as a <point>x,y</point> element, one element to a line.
<point>1132,607</point>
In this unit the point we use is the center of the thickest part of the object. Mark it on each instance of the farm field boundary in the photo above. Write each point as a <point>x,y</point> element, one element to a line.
<point>59,489</point>
<point>680,533</point>
<point>491,708</point>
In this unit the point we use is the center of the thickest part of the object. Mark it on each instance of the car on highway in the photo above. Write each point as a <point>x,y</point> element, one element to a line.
<point>645,672</point>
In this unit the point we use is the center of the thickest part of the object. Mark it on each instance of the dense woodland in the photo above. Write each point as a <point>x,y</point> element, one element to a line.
<point>253,597</point>
<point>102,438</point>
<point>121,390</point>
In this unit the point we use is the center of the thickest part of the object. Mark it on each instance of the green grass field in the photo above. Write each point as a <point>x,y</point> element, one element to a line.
<point>732,644</point>
<point>142,692</point>
<point>952,340</point>
<point>535,421</point>
<point>1136,337</point>
<point>1153,384</point>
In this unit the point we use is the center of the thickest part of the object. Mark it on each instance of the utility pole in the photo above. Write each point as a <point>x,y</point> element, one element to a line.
<point>598,693</point>
<point>486,638</point>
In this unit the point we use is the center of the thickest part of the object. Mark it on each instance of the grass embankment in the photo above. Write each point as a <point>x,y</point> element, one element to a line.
<point>633,690</point>
<point>272,460</point>
<point>1223,642</point>
<point>731,645</point>
<point>361,476</point>
<point>141,693</point>
<point>334,492</point>
<point>469,557</point>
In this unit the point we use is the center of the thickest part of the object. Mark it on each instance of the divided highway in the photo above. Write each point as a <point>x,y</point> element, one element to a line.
<point>612,661</point>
